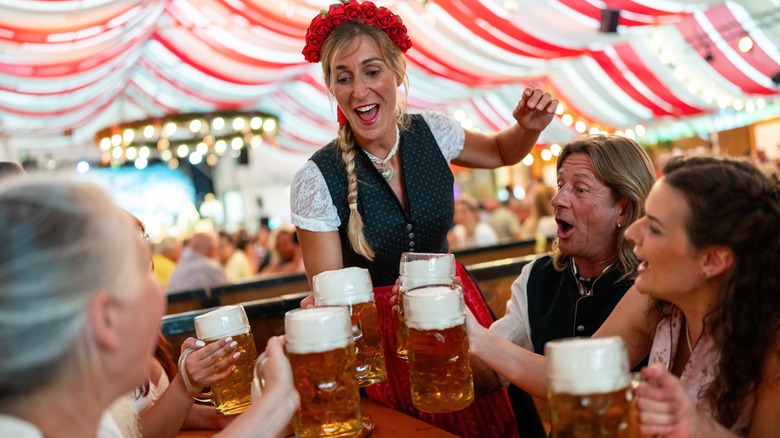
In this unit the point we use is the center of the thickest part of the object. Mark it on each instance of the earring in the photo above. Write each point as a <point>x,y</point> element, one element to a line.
<point>619,226</point>
<point>705,274</point>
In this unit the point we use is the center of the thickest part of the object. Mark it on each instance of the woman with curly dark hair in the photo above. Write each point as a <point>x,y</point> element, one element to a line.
<point>717,339</point>
<point>705,304</point>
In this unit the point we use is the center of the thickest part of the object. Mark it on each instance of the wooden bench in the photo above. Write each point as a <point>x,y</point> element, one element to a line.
<point>495,280</point>
<point>268,287</point>
<point>507,250</point>
<point>185,301</point>
<point>276,286</point>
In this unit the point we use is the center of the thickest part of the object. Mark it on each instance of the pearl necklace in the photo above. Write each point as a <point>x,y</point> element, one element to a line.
<point>385,170</point>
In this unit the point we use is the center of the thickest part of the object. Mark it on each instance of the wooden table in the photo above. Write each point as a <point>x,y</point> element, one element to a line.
<point>388,424</point>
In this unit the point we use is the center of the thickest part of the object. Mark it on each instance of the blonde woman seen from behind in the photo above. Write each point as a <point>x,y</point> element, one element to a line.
<point>79,309</point>
<point>79,334</point>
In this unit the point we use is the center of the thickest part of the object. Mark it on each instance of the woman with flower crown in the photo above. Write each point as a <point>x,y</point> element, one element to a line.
<point>384,185</point>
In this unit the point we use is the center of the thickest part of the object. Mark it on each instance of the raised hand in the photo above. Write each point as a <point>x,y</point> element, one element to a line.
<point>535,110</point>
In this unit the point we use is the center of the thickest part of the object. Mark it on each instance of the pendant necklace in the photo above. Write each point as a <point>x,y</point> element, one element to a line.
<point>385,170</point>
<point>585,285</point>
<point>688,337</point>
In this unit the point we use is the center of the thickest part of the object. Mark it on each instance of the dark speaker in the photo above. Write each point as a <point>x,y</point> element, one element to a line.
<point>609,20</point>
<point>244,157</point>
<point>776,78</point>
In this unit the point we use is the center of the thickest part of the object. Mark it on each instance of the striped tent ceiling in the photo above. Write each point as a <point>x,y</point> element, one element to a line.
<point>79,66</point>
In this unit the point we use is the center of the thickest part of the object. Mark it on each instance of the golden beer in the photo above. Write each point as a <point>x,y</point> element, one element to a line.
<point>330,397</point>
<point>439,368</point>
<point>370,358</point>
<point>608,415</point>
<point>408,283</point>
<point>400,334</point>
<point>351,287</point>
<point>419,269</point>
<point>233,395</point>
<point>589,388</point>
<point>322,355</point>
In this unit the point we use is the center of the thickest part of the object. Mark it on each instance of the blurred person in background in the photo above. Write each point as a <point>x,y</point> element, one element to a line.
<point>768,167</point>
<point>233,257</point>
<point>469,230</point>
<point>199,265</point>
<point>287,257</point>
<point>260,250</point>
<point>166,254</point>
<point>502,220</point>
<point>542,218</point>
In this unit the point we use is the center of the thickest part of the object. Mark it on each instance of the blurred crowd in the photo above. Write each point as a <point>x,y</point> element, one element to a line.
<point>211,258</point>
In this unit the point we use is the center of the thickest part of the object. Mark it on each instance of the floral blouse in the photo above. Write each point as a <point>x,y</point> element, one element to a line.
<point>700,369</point>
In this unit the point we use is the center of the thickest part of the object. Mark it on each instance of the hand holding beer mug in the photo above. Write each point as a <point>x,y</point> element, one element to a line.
<point>420,269</point>
<point>351,287</point>
<point>231,395</point>
<point>590,391</point>
<point>321,350</point>
<point>438,346</point>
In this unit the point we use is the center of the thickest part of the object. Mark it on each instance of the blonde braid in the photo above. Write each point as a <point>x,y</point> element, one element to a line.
<point>357,239</point>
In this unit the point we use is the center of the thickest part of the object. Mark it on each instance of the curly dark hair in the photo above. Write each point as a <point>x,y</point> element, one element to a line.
<point>733,204</point>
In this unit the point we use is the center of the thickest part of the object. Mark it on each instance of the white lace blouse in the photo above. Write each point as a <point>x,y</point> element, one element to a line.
<point>310,202</point>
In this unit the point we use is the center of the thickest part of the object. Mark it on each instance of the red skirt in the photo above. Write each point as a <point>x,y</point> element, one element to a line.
<point>488,416</point>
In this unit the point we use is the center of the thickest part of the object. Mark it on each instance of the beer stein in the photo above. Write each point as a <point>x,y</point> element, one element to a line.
<point>420,269</point>
<point>321,350</point>
<point>351,287</point>
<point>231,395</point>
<point>438,345</point>
<point>590,390</point>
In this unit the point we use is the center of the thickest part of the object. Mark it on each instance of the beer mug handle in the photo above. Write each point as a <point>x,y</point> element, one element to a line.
<point>259,379</point>
<point>198,395</point>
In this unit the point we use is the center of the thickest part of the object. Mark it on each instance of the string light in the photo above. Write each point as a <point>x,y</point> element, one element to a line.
<point>184,135</point>
<point>745,44</point>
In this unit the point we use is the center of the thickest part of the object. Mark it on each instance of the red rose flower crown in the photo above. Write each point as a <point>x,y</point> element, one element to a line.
<point>340,13</point>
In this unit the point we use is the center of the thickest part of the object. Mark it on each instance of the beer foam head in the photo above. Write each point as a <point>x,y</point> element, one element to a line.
<point>417,264</point>
<point>317,329</point>
<point>587,365</point>
<point>225,321</point>
<point>434,307</point>
<point>342,287</point>
<point>408,283</point>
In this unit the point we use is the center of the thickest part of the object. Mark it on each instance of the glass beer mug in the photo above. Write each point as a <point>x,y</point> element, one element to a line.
<point>439,367</point>
<point>420,269</point>
<point>351,287</point>
<point>233,394</point>
<point>590,391</point>
<point>321,350</point>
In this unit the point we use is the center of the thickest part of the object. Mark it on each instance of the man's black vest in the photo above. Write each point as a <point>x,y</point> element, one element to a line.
<point>391,230</point>
<point>557,310</point>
